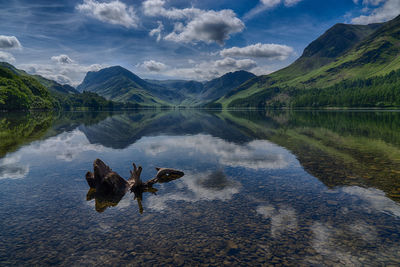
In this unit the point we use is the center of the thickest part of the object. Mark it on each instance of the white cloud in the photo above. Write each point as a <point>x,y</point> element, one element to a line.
<point>7,57</point>
<point>9,42</point>
<point>290,3</point>
<point>156,8</point>
<point>154,66</point>
<point>207,70</point>
<point>388,10</point>
<point>114,12</point>
<point>372,2</point>
<point>201,25</point>
<point>230,63</point>
<point>72,73</point>
<point>269,4</point>
<point>270,51</point>
<point>157,31</point>
<point>62,59</point>
<point>211,26</point>
<point>204,70</point>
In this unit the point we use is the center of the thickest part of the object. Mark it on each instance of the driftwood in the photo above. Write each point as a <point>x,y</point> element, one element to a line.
<point>108,188</point>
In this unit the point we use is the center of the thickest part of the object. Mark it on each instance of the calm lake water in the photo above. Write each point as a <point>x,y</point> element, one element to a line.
<point>260,188</point>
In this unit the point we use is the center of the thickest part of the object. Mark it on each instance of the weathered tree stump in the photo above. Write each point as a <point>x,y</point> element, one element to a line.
<point>108,188</point>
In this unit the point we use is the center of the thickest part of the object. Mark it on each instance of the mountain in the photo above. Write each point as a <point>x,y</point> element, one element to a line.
<point>198,92</point>
<point>342,54</point>
<point>53,86</point>
<point>219,87</point>
<point>120,84</point>
<point>20,91</point>
<point>187,88</point>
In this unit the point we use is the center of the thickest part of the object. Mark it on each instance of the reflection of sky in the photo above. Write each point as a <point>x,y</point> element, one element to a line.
<point>11,169</point>
<point>195,187</point>
<point>63,147</point>
<point>282,219</point>
<point>375,200</point>
<point>212,151</point>
<point>260,183</point>
<point>258,154</point>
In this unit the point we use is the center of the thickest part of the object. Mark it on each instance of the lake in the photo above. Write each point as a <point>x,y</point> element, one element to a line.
<point>260,188</point>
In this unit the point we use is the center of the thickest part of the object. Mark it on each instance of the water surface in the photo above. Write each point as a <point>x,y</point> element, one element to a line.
<point>292,188</point>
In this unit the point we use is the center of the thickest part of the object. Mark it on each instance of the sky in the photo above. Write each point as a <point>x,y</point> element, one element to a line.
<point>170,39</point>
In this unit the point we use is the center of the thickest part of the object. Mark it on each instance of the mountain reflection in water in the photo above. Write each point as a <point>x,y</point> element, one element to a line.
<point>260,187</point>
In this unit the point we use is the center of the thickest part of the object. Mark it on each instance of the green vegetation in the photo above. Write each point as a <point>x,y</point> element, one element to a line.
<point>380,91</point>
<point>20,128</point>
<point>21,91</point>
<point>17,129</point>
<point>345,56</point>
<point>339,148</point>
<point>119,84</point>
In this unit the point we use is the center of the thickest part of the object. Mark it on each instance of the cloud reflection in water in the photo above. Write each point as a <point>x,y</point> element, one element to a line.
<point>197,187</point>
<point>258,154</point>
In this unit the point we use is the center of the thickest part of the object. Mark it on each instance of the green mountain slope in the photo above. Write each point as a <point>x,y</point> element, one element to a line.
<point>196,93</point>
<point>120,84</point>
<point>21,92</point>
<point>187,88</point>
<point>343,53</point>
<point>219,87</point>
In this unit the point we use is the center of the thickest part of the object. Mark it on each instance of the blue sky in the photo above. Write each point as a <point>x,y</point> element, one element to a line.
<point>170,39</point>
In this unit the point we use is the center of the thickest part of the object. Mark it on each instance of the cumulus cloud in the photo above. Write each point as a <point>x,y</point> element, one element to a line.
<point>155,8</point>
<point>62,59</point>
<point>71,73</point>
<point>154,66</point>
<point>270,51</point>
<point>201,25</point>
<point>9,42</point>
<point>114,12</point>
<point>269,4</point>
<point>386,10</point>
<point>205,70</point>
<point>7,57</point>
<point>210,27</point>
<point>157,31</point>
<point>231,63</point>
